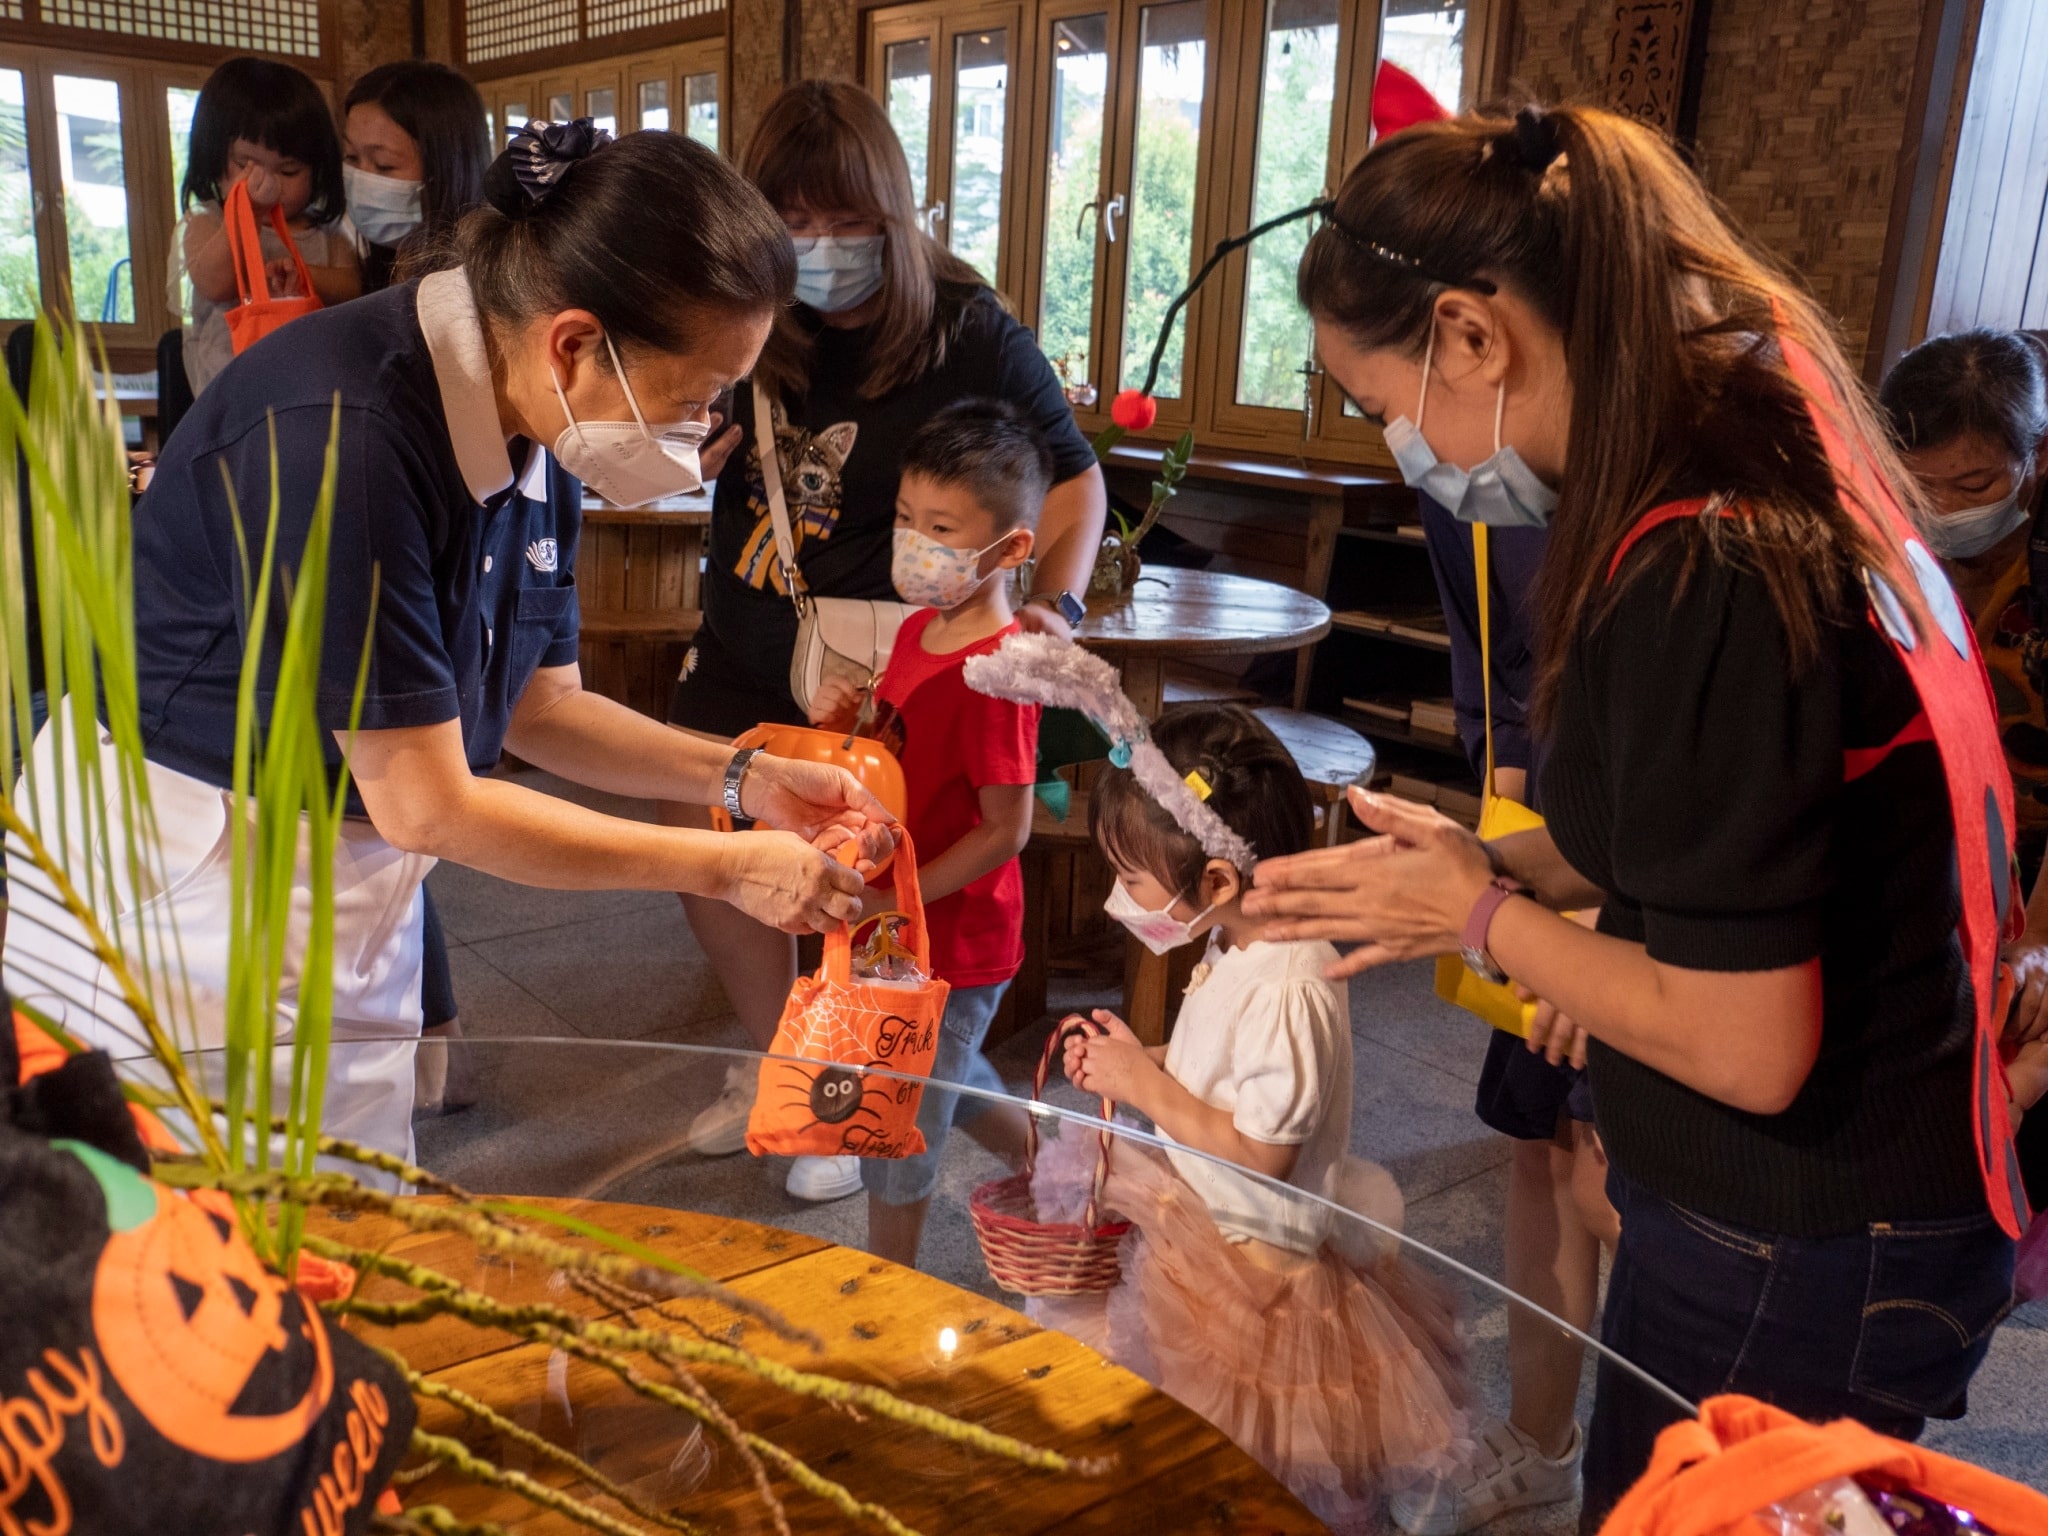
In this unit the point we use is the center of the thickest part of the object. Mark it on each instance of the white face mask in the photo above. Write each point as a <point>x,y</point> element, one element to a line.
<point>934,575</point>
<point>836,273</point>
<point>384,208</point>
<point>1959,535</point>
<point>1161,932</point>
<point>627,462</point>
<point>1501,492</point>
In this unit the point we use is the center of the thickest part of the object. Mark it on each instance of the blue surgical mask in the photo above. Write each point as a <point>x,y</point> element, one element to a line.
<point>1501,492</point>
<point>1959,535</point>
<point>836,273</point>
<point>383,208</point>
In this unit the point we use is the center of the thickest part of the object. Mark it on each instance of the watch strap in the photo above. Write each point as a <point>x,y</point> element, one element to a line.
<point>1480,920</point>
<point>735,771</point>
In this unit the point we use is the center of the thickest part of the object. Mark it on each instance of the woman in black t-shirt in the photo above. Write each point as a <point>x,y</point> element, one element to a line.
<point>889,328</point>
<point>1780,1008</point>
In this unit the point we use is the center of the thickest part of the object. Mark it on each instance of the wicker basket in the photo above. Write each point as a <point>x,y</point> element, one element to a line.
<point>1041,1258</point>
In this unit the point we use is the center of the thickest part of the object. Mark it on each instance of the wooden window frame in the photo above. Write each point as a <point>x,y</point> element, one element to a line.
<point>624,74</point>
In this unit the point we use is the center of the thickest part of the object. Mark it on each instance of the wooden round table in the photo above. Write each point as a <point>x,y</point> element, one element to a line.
<point>880,1324</point>
<point>1172,612</point>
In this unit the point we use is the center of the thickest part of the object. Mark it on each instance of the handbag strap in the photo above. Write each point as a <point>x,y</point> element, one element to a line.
<point>771,482</point>
<point>909,902</point>
<point>245,245</point>
<point>1481,572</point>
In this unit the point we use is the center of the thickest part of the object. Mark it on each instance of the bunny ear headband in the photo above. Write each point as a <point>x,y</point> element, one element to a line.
<point>1037,669</point>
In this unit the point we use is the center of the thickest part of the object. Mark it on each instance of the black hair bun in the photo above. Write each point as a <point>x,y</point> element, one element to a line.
<point>535,160</point>
<point>1535,139</point>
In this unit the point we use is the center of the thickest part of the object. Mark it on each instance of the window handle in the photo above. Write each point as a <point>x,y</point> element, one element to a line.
<point>1081,223</point>
<point>1111,212</point>
<point>934,216</point>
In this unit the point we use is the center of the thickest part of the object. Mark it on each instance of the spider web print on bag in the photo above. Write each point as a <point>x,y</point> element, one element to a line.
<point>825,1104</point>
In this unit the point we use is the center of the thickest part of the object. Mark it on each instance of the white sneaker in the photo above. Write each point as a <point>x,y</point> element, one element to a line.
<point>721,1130</point>
<point>1502,1469</point>
<point>824,1178</point>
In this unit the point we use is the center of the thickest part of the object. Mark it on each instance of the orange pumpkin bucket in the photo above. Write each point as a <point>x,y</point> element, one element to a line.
<point>869,761</point>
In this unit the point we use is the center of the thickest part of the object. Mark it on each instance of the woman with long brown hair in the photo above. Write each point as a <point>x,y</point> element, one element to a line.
<point>889,328</point>
<point>1745,769</point>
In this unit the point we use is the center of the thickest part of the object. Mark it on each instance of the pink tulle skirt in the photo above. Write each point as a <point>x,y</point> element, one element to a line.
<point>1339,1378</point>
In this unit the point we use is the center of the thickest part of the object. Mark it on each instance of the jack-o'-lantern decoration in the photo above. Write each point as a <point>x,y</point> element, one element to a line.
<point>186,1315</point>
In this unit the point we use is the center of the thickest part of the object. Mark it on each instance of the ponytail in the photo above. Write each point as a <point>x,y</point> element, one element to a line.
<point>1669,322</point>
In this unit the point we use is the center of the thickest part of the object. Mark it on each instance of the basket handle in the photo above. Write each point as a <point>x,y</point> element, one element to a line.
<point>1055,1043</point>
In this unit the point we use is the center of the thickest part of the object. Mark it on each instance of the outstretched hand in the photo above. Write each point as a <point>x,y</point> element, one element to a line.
<point>821,803</point>
<point>1400,895</point>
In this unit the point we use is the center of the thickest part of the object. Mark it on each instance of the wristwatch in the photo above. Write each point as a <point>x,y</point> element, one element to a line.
<point>735,771</point>
<point>1065,604</point>
<point>1473,941</point>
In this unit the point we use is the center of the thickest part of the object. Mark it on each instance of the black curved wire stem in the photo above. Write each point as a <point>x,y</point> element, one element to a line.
<point>1321,205</point>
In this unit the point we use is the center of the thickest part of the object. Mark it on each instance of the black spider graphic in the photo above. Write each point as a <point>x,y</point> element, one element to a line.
<point>836,1095</point>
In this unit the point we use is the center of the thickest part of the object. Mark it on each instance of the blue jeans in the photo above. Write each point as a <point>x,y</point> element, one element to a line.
<point>969,1012</point>
<point>1885,1324</point>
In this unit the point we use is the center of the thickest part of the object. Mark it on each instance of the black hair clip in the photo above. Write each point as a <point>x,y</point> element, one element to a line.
<point>1393,258</point>
<point>1535,140</point>
<point>536,158</point>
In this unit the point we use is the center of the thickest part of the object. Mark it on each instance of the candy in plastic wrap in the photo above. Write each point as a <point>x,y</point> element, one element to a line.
<point>884,955</point>
<point>1906,1512</point>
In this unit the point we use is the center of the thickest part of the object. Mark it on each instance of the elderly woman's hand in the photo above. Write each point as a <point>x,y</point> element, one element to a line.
<point>823,804</point>
<point>1400,895</point>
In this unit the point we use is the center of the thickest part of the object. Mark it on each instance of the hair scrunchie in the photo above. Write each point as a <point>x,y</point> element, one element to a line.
<point>1535,140</point>
<point>535,160</point>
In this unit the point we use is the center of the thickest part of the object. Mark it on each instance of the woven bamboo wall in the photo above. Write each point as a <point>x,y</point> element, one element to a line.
<point>1802,116</point>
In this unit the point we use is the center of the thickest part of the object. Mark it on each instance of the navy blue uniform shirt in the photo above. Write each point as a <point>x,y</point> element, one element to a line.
<point>473,563</point>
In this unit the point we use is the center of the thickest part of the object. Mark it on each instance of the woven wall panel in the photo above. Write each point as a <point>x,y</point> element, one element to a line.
<point>498,29</point>
<point>1557,50</point>
<point>261,26</point>
<point>1802,119</point>
<point>607,18</point>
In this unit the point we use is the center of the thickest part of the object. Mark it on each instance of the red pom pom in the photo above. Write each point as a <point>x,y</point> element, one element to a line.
<point>1134,410</point>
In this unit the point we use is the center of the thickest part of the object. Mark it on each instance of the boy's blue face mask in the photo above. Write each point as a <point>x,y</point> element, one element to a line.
<point>1501,491</point>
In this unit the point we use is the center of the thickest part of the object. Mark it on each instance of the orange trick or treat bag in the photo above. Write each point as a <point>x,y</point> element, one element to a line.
<point>838,1024</point>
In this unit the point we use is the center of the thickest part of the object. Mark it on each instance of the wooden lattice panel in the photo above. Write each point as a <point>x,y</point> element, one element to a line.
<point>499,29</point>
<point>259,26</point>
<point>607,17</point>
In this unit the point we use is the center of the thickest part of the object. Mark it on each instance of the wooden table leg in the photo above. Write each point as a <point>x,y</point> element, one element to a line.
<point>1145,988</point>
<point>1325,517</point>
<point>1144,677</point>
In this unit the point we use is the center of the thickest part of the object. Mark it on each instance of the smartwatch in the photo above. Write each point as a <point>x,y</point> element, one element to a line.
<point>1065,604</point>
<point>1472,943</point>
<point>735,771</point>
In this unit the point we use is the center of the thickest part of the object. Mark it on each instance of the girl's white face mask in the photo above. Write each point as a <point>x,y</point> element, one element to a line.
<point>1160,932</point>
<point>627,462</point>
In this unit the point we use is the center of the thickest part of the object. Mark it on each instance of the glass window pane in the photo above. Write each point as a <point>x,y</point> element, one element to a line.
<point>1297,99</point>
<point>604,108</point>
<point>21,275</point>
<point>654,104</point>
<point>1080,85</point>
<point>981,86</point>
<point>908,69</point>
<point>561,106</point>
<point>700,104</point>
<point>1427,38</point>
<point>90,161</point>
<point>515,117</point>
<point>1171,62</point>
<point>180,101</point>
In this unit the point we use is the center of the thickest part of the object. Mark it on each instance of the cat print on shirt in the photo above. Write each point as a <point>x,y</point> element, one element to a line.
<point>810,463</point>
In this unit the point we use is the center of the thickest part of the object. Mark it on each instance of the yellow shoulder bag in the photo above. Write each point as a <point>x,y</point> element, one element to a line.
<point>1457,982</point>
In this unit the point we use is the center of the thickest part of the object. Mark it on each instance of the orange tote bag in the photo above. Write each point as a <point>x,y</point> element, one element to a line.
<point>259,314</point>
<point>824,1104</point>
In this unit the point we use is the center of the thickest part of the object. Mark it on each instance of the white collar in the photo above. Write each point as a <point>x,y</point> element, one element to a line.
<point>533,479</point>
<point>462,368</point>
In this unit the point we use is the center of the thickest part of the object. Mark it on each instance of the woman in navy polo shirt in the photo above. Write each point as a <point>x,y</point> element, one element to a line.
<point>606,296</point>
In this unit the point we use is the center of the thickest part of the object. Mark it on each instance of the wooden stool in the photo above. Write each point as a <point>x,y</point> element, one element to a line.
<point>1330,756</point>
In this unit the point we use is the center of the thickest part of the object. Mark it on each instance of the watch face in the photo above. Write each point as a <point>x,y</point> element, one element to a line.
<point>1480,964</point>
<point>1071,608</point>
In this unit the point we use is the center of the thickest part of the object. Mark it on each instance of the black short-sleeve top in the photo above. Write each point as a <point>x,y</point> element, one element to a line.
<point>841,456</point>
<point>470,542</point>
<point>1698,779</point>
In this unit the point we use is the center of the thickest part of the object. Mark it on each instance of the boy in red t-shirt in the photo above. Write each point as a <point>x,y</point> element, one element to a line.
<point>974,478</point>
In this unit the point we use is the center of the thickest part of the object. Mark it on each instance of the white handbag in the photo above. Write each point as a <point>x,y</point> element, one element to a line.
<point>848,637</point>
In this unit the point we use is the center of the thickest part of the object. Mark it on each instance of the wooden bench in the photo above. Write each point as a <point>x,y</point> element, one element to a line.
<point>639,576</point>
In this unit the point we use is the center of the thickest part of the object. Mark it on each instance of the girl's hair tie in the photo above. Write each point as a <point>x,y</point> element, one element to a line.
<point>536,158</point>
<point>1534,139</point>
